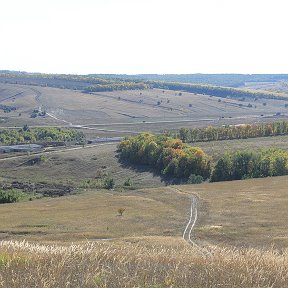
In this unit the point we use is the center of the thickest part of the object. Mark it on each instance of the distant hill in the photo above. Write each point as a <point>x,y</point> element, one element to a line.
<point>229,80</point>
<point>221,85</point>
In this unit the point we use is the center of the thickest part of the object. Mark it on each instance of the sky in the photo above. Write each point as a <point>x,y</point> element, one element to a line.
<point>144,36</point>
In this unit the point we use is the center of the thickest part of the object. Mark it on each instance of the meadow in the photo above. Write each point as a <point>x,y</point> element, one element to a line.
<point>243,228</point>
<point>82,239</point>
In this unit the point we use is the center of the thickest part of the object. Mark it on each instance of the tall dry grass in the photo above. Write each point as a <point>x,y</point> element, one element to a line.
<point>135,265</point>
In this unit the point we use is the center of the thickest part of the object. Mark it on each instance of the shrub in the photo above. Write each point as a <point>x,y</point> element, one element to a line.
<point>10,196</point>
<point>195,179</point>
<point>91,183</point>
<point>47,134</point>
<point>128,182</point>
<point>121,211</point>
<point>109,183</point>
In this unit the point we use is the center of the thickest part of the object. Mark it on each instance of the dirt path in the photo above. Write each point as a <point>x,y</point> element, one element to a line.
<point>192,222</point>
<point>188,231</point>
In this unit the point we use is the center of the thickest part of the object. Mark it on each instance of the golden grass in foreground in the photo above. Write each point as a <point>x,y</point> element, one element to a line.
<point>134,265</point>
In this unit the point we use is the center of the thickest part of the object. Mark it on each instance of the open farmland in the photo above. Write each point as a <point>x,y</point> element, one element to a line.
<point>124,112</point>
<point>279,87</point>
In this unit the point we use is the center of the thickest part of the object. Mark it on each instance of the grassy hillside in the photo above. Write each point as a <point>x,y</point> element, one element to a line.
<point>147,248</point>
<point>83,164</point>
<point>251,213</point>
<point>124,112</point>
<point>94,215</point>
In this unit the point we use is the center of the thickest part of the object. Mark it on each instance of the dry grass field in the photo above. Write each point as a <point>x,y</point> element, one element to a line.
<point>129,265</point>
<point>216,149</point>
<point>121,112</point>
<point>242,223</point>
<point>94,215</point>
<point>88,163</point>
<point>146,249</point>
<point>249,213</point>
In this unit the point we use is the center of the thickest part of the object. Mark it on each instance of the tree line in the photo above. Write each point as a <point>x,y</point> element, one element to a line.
<point>213,90</point>
<point>167,155</point>
<point>32,135</point>
<point>174,158</point>
<point>229,132</point>
<point>230,80</point>
<point>116,86</point>
<point>248,164</point>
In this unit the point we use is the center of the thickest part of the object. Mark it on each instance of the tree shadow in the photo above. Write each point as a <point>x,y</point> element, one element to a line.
<point>140,168</point>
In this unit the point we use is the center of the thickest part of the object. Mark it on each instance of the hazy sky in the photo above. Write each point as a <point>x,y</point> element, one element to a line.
<point>144,36</point>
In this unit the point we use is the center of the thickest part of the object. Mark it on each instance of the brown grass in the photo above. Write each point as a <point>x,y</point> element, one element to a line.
<point>94,215</point>
<point>136,265</point>
<point>243,213</point>
<point>78,165</point>
<point>248,213</point>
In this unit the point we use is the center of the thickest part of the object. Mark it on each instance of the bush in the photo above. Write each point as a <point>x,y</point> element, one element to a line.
<point>109,183</point>
<point>91,183</point>
<point>10,196</point>
<point>121,211</point>
<point>128,183</point>
<point>195,179</point>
